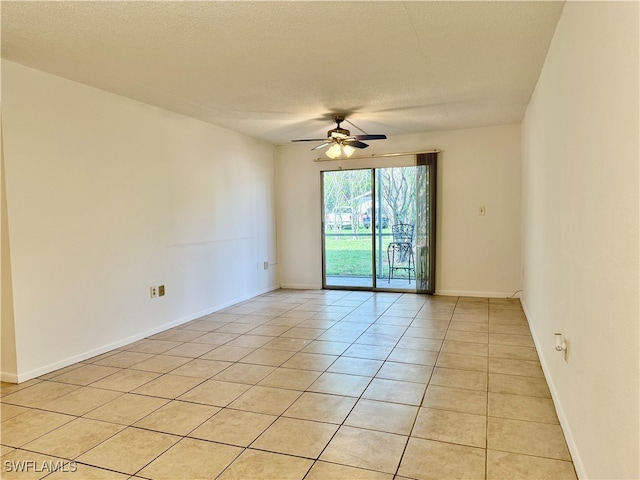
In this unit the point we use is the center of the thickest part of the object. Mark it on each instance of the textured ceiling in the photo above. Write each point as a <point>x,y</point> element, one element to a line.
<point>277,70</point>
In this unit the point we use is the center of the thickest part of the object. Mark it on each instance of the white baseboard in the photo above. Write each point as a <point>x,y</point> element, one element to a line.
<point>449,293</point>
<point>52,367</point>
<point>301,286</point>
<point>8,377</point>
<point>244,298</point>
<point>564,423</point>
<point>466,293</point>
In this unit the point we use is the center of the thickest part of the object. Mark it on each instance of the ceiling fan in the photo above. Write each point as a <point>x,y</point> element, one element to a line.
<point>341,140</point>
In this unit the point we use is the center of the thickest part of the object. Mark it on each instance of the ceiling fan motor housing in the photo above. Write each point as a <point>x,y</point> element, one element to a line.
<point>338,133</point>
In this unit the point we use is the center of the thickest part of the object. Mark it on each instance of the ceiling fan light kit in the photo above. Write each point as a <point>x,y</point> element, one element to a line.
<point>348,150</point>
<point>338,149</point>
<point>341,140</point>
<point>334,152</point>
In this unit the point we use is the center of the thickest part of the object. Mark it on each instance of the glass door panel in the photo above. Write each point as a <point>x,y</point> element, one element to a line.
<point>395,214</point>
<point>347,227</point>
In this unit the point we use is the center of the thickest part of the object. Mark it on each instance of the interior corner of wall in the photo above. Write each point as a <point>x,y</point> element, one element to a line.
<point>8,358</point>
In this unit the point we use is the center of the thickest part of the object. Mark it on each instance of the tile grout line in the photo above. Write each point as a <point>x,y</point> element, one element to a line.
<point>221,409</point>
<point>415,420</point>
<point>486,430</point>
<point>313,460</point>
<point>356,402</point>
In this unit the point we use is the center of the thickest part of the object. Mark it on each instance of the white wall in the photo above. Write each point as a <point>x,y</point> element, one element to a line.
<point>477,256</point>
<point>580,232</point>
<point>106,197</point>
<point>7,328</point>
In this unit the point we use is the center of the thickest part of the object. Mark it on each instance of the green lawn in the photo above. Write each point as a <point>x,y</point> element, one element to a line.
<point>350,255</point>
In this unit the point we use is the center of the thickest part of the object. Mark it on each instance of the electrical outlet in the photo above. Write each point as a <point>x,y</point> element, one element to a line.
<point>265,265</point>
<point>482,211</point>
<point>161,290</point>
<point>153,292</point>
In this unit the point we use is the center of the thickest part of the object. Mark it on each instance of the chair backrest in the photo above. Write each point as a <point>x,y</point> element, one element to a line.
<point>402,232</point>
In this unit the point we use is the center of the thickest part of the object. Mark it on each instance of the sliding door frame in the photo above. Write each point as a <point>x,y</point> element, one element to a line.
<point>427,284</point>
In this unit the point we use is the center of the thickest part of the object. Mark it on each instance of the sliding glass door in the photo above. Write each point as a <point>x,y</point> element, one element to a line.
<point>379,228</point>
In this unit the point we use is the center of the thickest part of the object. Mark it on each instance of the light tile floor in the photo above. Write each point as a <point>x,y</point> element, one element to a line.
<point>301,384</point>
